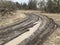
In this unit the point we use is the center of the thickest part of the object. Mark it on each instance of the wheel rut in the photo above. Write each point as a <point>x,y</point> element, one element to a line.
<point>11,32</point>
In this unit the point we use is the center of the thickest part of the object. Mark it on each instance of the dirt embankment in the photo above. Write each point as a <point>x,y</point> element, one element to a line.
<point>7,19</point>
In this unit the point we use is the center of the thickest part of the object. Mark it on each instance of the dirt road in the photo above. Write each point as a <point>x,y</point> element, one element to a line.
<point>46,24</point>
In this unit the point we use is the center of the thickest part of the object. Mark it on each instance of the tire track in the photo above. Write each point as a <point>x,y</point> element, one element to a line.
<point>15,30</point>
<point>47,27</point>
<point>8,33</point>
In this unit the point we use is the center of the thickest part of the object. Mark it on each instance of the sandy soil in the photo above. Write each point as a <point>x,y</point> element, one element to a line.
<point>27,34</point>
<point>54,38</point>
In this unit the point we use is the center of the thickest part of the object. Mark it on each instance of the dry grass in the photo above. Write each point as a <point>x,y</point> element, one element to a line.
<point>8,18</point>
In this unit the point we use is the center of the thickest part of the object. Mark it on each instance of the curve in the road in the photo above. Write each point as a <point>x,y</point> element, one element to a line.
<point>12,31</point>
<point>47,27</point>
<point>8,33</point>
